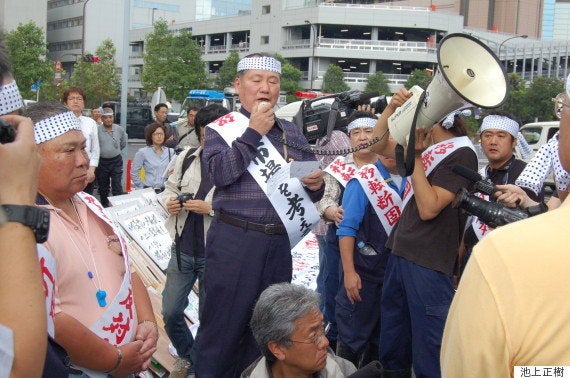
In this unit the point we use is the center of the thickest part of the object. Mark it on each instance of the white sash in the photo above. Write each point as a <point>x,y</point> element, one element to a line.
<point>341,170</point>
<point>49,277</point>
<point>480,228</point>
<point>385,201</point>
<point>290,201</point>
<point>433,155</point>
<point>118,323</point>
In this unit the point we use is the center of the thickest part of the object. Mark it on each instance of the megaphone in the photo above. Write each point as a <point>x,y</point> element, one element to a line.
<point>468,74</point>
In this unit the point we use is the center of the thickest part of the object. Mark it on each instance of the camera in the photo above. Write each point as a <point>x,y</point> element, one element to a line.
<point>493,214</point>
<point>7,132</point>
<point>319,118</point>
<point>183,197</point>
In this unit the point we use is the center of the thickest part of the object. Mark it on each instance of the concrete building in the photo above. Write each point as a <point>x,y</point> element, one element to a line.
<point>15,12</point>
<point>360,38</point>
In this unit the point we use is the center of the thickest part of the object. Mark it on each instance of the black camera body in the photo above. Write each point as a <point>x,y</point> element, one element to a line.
<point>7,132</point>
<point>319,120</point>
<point>183,197</point>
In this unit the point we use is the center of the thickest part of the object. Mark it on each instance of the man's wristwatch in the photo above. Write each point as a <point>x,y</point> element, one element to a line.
<point>212,213</point>
<point>34,217</point>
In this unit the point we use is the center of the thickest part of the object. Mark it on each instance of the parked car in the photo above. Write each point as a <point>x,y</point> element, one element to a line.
<point>138,117</point>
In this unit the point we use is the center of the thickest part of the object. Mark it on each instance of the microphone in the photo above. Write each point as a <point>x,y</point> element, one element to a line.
<point>481,185</point>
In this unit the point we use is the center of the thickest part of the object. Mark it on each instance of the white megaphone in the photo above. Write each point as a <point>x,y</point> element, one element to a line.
<point>468,73</point>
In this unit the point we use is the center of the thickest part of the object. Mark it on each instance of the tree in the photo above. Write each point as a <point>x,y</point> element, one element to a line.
<point>418,77</point>
<point>537,101</point>
<point>333,80</point>
<point>227,72</point>
<point>290,77</point>
<point>378,83</point>
<point>99,80</point>
<point>515,102</point>
<point>186,68</point>
<point>155,70</point>
<point>27,50</point>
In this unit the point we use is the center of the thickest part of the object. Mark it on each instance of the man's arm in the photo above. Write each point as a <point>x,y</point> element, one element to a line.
<point>474,341</point>
<point>123,142</point>
<point>147,330</point>
<point>387,145</point>
<point>92,352</point>
<point>22,298</point>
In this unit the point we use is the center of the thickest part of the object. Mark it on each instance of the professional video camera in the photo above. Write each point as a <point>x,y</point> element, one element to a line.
<point>492,214</point>
<point>318,119</point>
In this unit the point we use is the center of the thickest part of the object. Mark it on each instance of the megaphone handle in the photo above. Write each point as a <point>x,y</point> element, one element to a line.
<point>405,166</point>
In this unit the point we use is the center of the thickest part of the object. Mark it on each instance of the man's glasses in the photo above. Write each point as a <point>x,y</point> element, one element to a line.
<point>318,337</point>
<point>560,103</point>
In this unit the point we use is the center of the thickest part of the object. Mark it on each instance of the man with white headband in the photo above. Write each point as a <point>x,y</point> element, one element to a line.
<point>371,205</point>
<point>418,285</point>
<point>511,309</point>
<point>248,246</point>
<point>499,135</point>
<point>103,316</point>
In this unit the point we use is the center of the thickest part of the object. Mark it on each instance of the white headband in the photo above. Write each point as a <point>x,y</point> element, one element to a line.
<point>365,122</point>
<point>499,122</point>
<point>54,126</point>
<point>449,120</point>
<point>10,98</point>
<point>266,63</point>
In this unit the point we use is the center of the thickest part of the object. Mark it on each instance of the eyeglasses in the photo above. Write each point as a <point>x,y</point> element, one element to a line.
<point>559,104</point>
<point>78,98</point>
<point>318,337</point>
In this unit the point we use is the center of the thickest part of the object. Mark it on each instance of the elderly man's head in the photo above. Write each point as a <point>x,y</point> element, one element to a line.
<point>61,144</point>
<point>288,328</point>
<point>258,80</point>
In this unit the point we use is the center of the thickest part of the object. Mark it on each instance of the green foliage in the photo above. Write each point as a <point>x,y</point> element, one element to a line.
<point>100,80</point>
<point>418,77</point>
<point>532,103</point>
<point>333,80</point>
<point>173,62</point>
<point>227,72</point>
<point>290,77</point>
<point>27,50</point>
<point>186,67</point>
<point>378,82</point>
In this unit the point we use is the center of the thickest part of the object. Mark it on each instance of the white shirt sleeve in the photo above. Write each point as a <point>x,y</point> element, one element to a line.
<point>6,351</point>
<point>89,129</point>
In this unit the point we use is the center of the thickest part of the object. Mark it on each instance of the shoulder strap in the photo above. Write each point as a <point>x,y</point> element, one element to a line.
<point>188,159</point>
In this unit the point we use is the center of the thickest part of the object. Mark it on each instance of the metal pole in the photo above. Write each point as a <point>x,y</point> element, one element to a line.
<point>125,63</point>
<point>313,42</point>
<point>83,29</point>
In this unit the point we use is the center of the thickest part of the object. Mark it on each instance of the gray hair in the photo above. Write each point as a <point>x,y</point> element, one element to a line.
<point>45,109</point>
<point>276,311</point>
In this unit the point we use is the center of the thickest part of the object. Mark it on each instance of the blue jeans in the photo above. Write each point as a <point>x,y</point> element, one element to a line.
<point>175,299</point>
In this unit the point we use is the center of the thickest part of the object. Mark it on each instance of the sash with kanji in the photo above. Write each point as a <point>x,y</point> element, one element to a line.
<point>480,228</point>
<point>49,275</point>
<point>118,323</point>
<point>385,200</point>
<point>433,155</point>
<point>341,170</point>
<point>289,199</point>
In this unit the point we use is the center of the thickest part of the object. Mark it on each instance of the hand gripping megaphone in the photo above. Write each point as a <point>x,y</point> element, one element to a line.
<point>468,73</point>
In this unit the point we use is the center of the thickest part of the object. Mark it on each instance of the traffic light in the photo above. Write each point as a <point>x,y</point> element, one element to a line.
<point>88,58</point>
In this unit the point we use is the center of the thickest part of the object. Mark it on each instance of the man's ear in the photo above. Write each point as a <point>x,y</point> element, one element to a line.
<point>277,350</point>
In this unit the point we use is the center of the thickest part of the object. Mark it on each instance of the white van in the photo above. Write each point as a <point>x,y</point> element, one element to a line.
<point>537,134</point>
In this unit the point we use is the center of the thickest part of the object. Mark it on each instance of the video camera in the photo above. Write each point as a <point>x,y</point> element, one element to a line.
<point>492,214</point>
<point>318,119</point>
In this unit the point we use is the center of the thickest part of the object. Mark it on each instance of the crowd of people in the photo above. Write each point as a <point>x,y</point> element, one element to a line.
<point>408,281</point>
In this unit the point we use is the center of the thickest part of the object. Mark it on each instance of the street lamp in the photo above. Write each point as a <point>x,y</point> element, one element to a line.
<point>314,42</point>
<point>508,39</point>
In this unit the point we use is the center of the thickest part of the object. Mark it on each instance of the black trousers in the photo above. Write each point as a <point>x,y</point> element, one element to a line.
<point>109,174</point>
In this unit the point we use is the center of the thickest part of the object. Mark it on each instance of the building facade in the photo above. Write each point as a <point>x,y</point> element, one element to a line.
<point>360,38</point>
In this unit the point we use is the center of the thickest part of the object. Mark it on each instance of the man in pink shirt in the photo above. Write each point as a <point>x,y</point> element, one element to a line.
<point>103,315</point>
